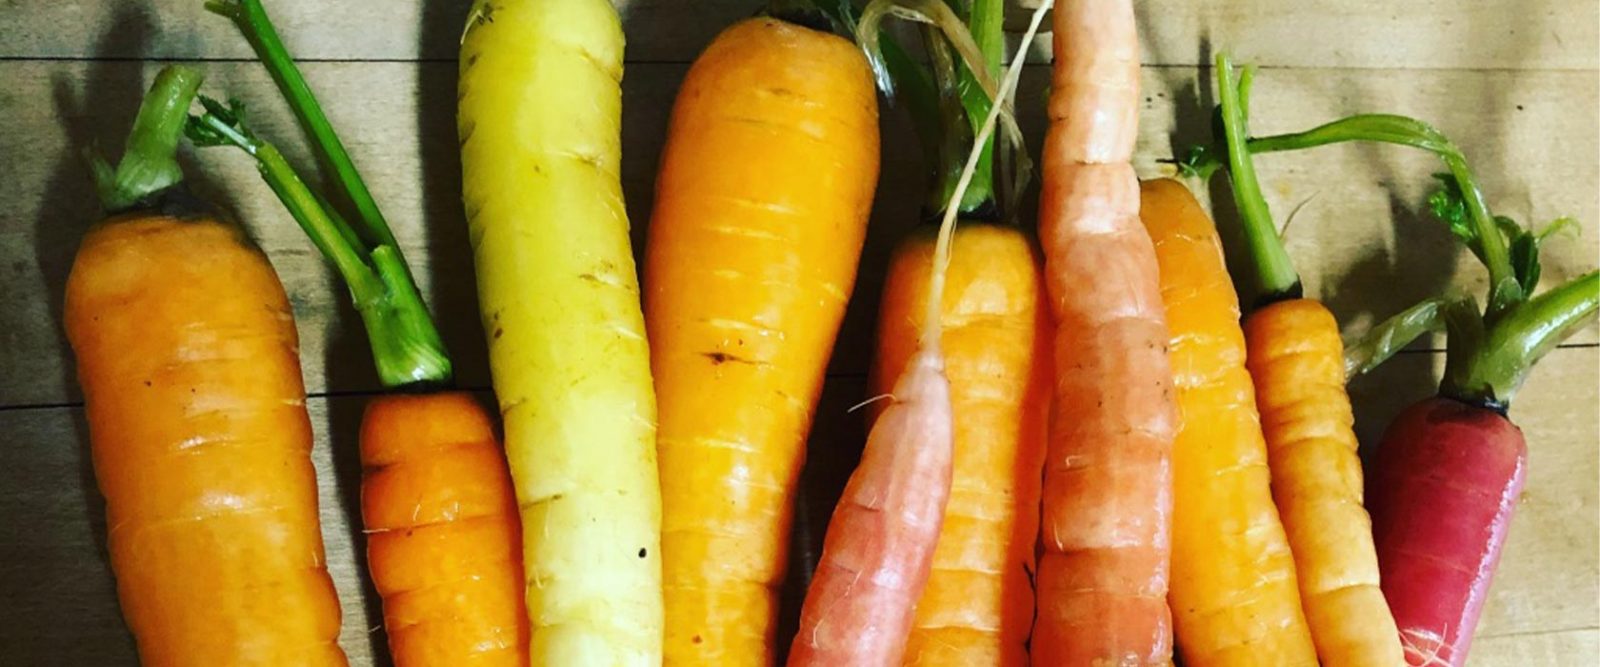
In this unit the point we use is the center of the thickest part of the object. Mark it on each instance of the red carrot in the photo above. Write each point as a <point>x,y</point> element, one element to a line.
<point>1449,469</point>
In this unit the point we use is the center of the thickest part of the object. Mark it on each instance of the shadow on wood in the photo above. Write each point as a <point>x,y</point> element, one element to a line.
<point>110,100</point>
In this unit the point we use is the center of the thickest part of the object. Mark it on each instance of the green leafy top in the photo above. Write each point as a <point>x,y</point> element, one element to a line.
<point>949,98</point>
<point>1490,351</point>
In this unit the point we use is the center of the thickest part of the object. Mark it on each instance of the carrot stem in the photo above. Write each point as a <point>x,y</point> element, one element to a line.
<point>1487,241</point>
<point>985,22</point>
<point>405,344</point>
<point>1389,337</point>
<point>252,20</point>
<point>953,96</point>
<point>149,162</point>
<point>1490,372</point>
<point>1274,273</point>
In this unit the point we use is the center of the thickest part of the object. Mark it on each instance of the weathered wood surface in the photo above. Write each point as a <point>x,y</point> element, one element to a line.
<point>1514,82</point>
<point>1450,34</point>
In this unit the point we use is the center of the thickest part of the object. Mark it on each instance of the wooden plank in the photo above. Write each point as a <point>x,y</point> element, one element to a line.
<point>1366,251</point>
<point>1469,34</point>
<point>1560,648</point>
<point>61,606</point>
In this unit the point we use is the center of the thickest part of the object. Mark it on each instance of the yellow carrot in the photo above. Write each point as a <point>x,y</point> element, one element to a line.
<point>1297,362</point>
<point>1234,595</point>
<point>540,117</point>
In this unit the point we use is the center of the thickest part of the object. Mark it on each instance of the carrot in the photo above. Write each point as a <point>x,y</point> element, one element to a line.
<point>442,534</point>
<point>1107,496</point>
<point>1449,469</point>
<point>1296,360</point>
<point>1234,590</point>
<point>878,550</point>
<point>977,607</point>
<point>761,207</point>
<point>436,499</point>
<point>540,131</point>
<point>188,359</point>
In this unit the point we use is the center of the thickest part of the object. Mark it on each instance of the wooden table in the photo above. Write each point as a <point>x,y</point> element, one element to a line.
<point>1514,82</point>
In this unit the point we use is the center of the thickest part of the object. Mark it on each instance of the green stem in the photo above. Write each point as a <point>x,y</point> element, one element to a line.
<point>405,344</point>
<point>1493,371</point>
<point>913,89</point>
<point>986,24</point>
<point>149,162</point>
<point>1504,290</point>
<point>251,19</point>
<point>955,134</point>
<point>1274,272</point>
<point>405,341</point>
<point>1393,335</point>
<point>965,64</point>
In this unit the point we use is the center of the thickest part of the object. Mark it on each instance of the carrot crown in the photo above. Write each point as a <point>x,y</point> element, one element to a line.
<point>405,343</point>
<point>1489,351</point>
<point>949,99</point>
<point>1275,277</point>
<point>149,163</point>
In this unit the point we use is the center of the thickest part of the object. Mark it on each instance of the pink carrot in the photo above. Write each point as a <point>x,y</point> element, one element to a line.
<point>879,546</point>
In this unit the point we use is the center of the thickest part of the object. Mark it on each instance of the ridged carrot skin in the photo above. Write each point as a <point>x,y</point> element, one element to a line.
<point>443,541</point>
<point>1448,477</point>
<point>879,548</point>
<point>1296,359</point>
<point>977,608</point>
<point>1235,597</point>
<point>1107,496</point>
<point>540,128</point>
<point>761,207</point>
<point>189,363</point>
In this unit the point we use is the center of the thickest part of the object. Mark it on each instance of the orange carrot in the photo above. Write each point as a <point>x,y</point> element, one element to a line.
<point>443,537</point>
<point>760,212</point>
<point>443,540</point>
<point>1107,494</point>
<point>977,607</point>
<point>880,542</point>
<point>189,363</point>
<point>1234,591</point>
<point>978,604</point>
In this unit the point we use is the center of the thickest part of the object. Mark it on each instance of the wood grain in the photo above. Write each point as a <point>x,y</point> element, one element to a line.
<point>1439,34</point>
<point>1360,242</point>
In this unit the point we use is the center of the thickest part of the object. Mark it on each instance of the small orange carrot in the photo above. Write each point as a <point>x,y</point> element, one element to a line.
<point>879,547</point>
<point>443,543</point>
<point>1107,495</point>
<point>1296,359</point>
<point>761,208</point>
<point>1234,594</point>
<point>190,369</point>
